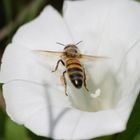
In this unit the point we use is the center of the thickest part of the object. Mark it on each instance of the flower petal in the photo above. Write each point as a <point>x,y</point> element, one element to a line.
<point>129,77</point>
<point>22,64</point>
<point>48,114</point>
<point>25,98</point>
<point>19,61</point>
<point>110,28</point>
<point>107,28</point>
<point>43,32</point>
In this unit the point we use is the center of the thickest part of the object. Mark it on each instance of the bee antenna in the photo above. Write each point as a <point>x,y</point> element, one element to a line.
<point>78,42</point>
<point>60,43</point>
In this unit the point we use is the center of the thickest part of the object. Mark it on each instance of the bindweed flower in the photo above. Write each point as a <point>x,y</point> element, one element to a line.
<point>34,95</point>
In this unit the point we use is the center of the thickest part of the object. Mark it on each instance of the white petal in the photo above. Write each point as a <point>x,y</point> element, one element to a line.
<point>19,62</point>
<point>129,76</point>
<point>110,28</point>
<point>22,64</point>
<point>24,98</point>
<point>49,114</point>
<point>43,32</point>
<point>107,28</point>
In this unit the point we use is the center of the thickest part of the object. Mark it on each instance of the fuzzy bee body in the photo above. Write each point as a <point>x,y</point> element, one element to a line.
<point>75,72</point>
<point>70,57</point>
<point>74,69</point>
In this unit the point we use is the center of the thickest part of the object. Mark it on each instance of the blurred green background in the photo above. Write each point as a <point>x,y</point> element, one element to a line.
<point>12,15</point>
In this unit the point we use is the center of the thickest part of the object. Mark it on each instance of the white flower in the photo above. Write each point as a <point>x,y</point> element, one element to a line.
<point>33,94</point>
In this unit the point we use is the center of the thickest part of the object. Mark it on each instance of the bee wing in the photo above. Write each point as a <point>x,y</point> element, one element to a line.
<point>92,58</point>
<point>51,54</point>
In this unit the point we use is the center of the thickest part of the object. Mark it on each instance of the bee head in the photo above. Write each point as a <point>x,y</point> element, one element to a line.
<point>71,50</point>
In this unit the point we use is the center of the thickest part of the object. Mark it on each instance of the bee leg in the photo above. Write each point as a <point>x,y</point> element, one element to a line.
<point>85,84</point>
<point>65,83</point>
<point>56,67</point>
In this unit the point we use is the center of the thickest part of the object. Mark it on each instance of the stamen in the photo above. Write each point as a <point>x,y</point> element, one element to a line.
<point>96,94</point>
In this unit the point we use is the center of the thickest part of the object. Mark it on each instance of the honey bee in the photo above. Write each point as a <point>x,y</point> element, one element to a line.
<point>70,58</point>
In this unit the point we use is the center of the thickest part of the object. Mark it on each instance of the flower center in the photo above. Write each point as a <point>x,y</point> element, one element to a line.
<point>102,95</point>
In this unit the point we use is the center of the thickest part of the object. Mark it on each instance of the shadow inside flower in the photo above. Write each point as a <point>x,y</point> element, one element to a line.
<point>54,116</point>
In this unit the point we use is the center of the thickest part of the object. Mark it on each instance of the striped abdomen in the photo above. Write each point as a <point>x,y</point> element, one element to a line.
<point>75,72</point>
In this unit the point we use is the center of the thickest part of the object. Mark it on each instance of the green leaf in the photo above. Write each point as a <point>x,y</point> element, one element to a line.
<point>14,131</point>
<point>137,137</point>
